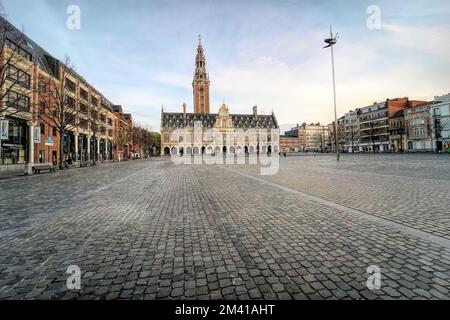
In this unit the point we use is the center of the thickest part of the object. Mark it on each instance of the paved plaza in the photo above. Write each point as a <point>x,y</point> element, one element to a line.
<point>150,229</point>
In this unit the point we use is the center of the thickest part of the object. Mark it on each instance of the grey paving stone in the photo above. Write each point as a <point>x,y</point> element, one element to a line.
<point>176,232</point>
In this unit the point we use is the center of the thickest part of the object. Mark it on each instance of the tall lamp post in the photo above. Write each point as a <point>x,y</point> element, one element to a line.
<point>331,41</point>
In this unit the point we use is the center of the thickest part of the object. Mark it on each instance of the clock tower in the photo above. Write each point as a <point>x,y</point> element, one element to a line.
<point>200,84</point>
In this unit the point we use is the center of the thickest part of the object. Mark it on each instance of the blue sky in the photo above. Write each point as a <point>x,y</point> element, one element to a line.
<point>141,53</point>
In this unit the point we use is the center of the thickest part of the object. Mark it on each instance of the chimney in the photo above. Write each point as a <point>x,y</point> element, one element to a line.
<point>184,110</point>
<point>255,111</point>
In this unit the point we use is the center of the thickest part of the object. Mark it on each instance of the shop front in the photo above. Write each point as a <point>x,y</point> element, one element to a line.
<point>69,146</point>
<point>93,149</point>
<point>14,143</point>
<point>82,148</point>
<point>102,145</point>
<point>109,151</point>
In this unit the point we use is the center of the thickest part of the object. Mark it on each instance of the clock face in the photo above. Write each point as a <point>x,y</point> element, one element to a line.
<point>201,90</point>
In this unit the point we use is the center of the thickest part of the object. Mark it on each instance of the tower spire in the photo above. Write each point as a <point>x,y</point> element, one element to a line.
<point>200,84</point>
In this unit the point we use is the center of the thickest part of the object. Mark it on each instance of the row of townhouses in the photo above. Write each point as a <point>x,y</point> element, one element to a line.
<point>49,113</point>
<point>395,125</point>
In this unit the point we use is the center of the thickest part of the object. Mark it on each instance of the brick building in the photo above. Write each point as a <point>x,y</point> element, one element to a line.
<point>29,133</point>
<point>374,122</point>
<point>289,144</point>
<point>123,133</point>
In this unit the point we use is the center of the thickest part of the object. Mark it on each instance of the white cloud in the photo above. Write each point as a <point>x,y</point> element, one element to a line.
<point>371,69</point>
<point>430,39</point>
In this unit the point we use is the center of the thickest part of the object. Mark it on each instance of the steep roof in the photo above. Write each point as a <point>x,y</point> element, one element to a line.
<point>242,121</point>
<point>40,57</point>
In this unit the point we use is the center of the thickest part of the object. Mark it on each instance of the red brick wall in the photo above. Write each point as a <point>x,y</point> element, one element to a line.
<point>394,105</point>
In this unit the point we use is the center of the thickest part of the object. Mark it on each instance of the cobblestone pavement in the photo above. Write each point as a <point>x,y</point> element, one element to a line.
<point>154,230</point>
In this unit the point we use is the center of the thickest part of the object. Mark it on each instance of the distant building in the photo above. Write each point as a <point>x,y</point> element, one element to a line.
<point>289,144</point>
<point>314,137</point>
<point>292,132</point>
<point>123,134</point>
<point>418,129</point>
<point>374,122</point>
<point>351,132</point>
<point>223,124</point>
<point>440,123</point>
<point>341,134</point>
<point>397,131</point>
<point>290,141</point>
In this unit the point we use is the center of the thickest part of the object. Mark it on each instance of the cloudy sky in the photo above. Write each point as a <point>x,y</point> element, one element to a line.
<point>141,53</point>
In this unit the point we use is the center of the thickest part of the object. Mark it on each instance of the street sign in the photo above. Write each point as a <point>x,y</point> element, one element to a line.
<point>4,129</point>
<point>49,142</point>
<point>37,135</point>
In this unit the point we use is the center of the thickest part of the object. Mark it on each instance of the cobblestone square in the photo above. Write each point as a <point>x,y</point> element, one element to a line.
<point>150,229</point>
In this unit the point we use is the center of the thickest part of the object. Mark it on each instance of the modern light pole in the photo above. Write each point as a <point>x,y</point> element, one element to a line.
<point>331,41</point>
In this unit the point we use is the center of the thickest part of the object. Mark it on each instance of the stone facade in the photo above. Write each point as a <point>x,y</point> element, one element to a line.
<point>216,133</point>
<point>202,132</point>
<point>418,129</point>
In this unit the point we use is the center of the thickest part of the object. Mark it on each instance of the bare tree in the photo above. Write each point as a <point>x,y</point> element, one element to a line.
<point>352,137</point>
<point>59,103</point>
<point>95,123</point>
<point>438,125</point>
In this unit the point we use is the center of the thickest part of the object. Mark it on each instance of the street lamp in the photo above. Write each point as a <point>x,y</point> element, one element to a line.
<point>331,41</point>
